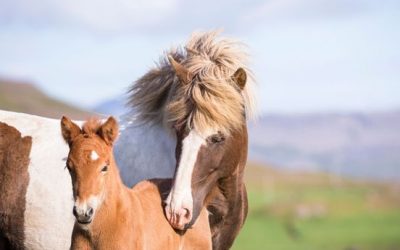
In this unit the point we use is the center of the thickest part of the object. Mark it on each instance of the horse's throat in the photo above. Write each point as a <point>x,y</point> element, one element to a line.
<point>109,211</point>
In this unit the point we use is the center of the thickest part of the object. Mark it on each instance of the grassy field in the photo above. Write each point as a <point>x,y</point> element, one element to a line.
<point>314,211</point>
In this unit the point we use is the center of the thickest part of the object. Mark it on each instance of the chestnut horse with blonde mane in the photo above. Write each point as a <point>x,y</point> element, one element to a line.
<point>110,215</point>
<point>202,95</point>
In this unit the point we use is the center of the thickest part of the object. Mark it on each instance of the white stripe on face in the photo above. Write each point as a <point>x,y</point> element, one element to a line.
<point>190,149</point>
<point>180,198</point>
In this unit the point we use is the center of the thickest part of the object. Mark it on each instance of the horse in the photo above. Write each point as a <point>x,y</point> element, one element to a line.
<point>110,215</point>
<point>201,94</point>
<point>150,145</point>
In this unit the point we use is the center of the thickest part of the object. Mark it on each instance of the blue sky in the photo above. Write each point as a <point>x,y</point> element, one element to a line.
<point>307,55</point>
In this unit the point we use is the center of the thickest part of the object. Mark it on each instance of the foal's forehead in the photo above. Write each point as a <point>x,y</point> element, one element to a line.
<point>89,148</point>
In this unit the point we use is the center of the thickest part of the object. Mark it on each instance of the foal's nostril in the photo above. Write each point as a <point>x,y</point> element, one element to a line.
<point>75,212</point>
<point>89,212</point>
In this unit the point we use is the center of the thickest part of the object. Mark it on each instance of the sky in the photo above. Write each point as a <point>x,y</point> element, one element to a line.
<point>307,55</point>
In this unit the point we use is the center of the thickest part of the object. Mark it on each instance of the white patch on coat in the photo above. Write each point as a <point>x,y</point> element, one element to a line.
<point>94,156</point>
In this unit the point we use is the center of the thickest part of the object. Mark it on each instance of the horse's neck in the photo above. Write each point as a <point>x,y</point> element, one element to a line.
<point>116,224</point>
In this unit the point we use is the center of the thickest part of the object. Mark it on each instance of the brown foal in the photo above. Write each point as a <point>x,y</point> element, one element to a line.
<point>110,215</point>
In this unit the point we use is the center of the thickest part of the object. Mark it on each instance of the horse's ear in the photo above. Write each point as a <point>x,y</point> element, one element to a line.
<point>181,72</point>
<point>240,78</point>
<point>69,129</point>
<point>109,130</point>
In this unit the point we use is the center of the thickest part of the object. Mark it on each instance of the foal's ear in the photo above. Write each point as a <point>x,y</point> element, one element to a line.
<point>240,78</point>
<point>69,129</point>
<point>109,130</point>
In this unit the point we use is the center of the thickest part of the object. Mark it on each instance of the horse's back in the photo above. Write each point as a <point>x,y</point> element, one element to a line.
<point>144,152</point>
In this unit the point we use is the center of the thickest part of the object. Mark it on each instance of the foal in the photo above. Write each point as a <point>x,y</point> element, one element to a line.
<point>110,215</point>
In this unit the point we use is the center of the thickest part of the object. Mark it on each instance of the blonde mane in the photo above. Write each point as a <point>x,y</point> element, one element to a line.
<point>211,100</point>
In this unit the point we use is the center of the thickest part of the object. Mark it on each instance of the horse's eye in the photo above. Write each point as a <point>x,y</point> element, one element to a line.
<point>218,138</point>
<point>104,169</point>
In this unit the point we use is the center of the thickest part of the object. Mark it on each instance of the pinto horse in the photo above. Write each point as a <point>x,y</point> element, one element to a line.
<point>108,214</point>
<point>202,95</point>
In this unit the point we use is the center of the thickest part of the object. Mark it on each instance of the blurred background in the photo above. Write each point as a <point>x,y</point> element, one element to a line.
<point>324,162</point>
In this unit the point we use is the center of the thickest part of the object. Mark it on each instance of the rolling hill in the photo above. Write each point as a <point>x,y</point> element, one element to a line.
<point>365,145</point>
<point>27,98</point>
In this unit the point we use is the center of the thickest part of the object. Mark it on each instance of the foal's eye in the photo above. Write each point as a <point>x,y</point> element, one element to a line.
<point>217,138</point>
<point>104,169</point>
<point>68,166</point>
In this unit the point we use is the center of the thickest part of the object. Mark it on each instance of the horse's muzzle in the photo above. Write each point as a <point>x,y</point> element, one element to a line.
<point>178,218</point>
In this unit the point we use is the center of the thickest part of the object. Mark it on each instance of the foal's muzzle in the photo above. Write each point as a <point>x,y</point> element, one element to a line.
<point>83,216</point>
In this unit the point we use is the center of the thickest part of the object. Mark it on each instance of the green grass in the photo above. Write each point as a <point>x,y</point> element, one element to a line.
<point>315,214</point>
<point>364,231</point>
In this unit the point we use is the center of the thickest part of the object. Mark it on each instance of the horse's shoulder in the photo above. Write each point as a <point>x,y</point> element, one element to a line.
<point>143,186</point>
<point>153,188</point>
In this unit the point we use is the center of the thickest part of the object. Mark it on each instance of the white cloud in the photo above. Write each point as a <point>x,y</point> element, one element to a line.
<point>284,11</point>
<point>175,16</point>
<point>97,15</point>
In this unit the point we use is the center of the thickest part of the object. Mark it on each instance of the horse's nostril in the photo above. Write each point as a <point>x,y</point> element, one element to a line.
<point>89,212</point>
<point>74,211</point>
<point>188,215</point>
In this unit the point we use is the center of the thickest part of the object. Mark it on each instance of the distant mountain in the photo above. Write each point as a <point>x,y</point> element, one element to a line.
<point>27,98</point>
<point>357,144</point>
<point>115,106</point>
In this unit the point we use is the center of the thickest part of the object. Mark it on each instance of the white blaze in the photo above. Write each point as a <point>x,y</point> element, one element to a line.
<point>181,193</point>
<point>94,156</point>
